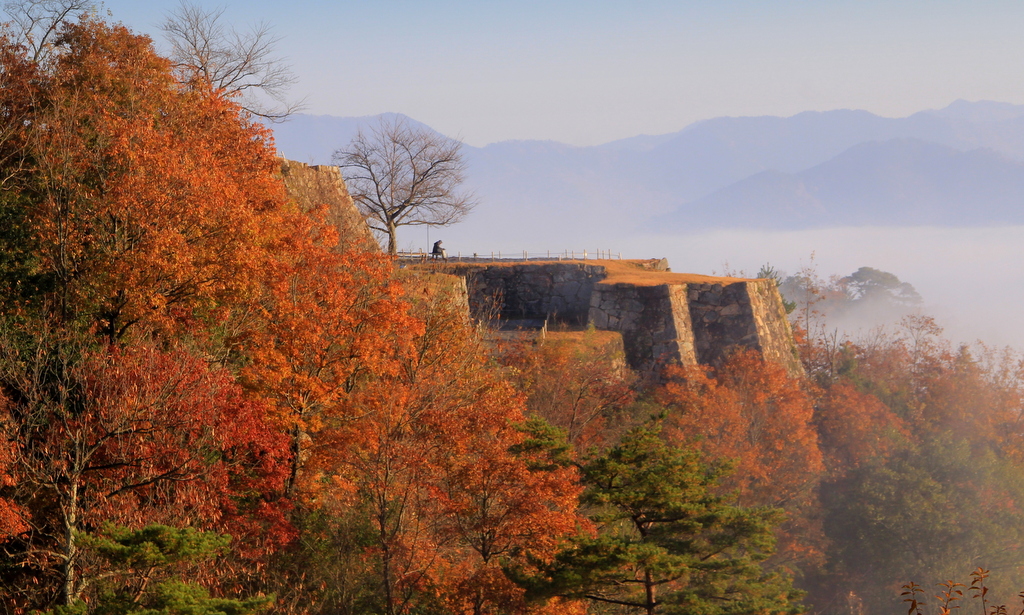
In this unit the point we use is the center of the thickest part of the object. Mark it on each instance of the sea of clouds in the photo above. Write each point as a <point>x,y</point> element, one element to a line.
<point>971,279</point>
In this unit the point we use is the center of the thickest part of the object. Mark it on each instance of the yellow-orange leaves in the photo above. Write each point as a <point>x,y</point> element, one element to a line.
<point>334,328</point>
<point>855,427</point>
<point>151,200</point>
<point>751,412</point>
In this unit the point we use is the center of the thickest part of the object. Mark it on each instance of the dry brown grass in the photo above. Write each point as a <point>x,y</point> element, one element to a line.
<point>421,284</point>
<point>634,271</point>
<point>641,277</point>
<point>631,272</point>
<point>588,338</point>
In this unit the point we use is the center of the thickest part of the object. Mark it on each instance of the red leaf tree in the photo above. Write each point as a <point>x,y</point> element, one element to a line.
<point>751,413</point>
<point>132,436</point>
<point>142,202</point>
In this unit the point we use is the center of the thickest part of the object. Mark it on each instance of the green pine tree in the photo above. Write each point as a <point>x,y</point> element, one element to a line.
<point>666,542</point>
<point>140,574</point>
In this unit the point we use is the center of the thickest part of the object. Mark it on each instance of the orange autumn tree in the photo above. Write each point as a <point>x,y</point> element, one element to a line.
<point>922,443</point>
<point>11,514</point>
<point>503,495</point>
<point>130,436</point>
<point>979,395</point>
<point>333,326</point>
<point>136,218</point>
<point>750,412</point>
<point>578,382</point>
<point>144,203</point>
<point>855,428</point>
<point>452,480</point>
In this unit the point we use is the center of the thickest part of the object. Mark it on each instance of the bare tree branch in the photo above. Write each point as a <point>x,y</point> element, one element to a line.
<point>402,175</point>
<point>34,23</point>
<point>202,47</point>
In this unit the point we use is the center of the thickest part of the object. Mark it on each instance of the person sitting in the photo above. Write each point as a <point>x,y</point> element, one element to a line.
<point>439,252</point>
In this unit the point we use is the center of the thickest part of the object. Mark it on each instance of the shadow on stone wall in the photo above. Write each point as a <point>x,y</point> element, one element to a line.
<point>685,323</point>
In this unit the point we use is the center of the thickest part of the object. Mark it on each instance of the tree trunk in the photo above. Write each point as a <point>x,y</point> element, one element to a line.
<point>392,238</point>
<point>291,485</point>
<point>652,600</point>
<point>69,589</point>
<point>390,603</point>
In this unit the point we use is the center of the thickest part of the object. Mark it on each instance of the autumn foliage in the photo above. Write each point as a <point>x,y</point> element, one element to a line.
<point>144,203</point>
<point>753,412</point>
<point>751,415</point>
<point>578,382</point>
<point>188,357</point>
<point>211,401</point>
<point>330,325</point>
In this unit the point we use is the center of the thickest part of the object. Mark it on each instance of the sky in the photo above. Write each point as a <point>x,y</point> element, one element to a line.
<point>586,72</point>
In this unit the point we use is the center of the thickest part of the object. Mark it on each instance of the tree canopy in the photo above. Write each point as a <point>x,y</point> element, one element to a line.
<point>401,174</point>
<point>211,403</point>
<point>667,543</point>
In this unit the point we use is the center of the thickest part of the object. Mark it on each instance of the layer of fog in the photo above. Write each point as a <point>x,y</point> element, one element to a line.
<point>972,280</point>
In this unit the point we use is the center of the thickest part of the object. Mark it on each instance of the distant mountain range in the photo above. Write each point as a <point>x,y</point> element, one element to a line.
<point>958,166</point>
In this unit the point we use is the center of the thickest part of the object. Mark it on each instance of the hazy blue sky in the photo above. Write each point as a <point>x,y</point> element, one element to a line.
<point>587,72</point>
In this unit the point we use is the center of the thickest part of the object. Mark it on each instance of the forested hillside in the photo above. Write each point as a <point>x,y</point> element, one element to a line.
<point>211,403</point>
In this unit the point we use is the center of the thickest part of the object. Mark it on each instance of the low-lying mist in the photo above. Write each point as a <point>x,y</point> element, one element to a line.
<point>971,279</point>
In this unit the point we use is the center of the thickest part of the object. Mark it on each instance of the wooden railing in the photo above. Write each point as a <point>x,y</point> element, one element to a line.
<point>484,257</point>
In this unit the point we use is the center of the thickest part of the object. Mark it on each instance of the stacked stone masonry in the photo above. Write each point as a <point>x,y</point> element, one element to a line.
<point>322,186</point>
<point>654,322</point>
<point>692,323</point>
<point>684,323</point>
<point>555,291</point>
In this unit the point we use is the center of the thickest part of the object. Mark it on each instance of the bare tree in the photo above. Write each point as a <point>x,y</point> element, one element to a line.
<point>404,175</point>
<point>202,47</point>
<point>35,23</point>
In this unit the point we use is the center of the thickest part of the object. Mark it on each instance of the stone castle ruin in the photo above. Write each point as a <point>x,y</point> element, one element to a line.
<point>663,317</point>
<point>312,186</point>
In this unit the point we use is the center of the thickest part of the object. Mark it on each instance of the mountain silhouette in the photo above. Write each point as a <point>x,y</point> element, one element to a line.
<point>961,165</point>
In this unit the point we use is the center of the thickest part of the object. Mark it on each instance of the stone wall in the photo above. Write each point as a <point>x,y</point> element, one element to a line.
<point>687,323</point>
<point>775,337</point>
<point>654,322</point>
<point>681,322</point>
<point>695,323</point>
<point>314,186</point>
<point>722,320</point>
<point>556,291</point>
